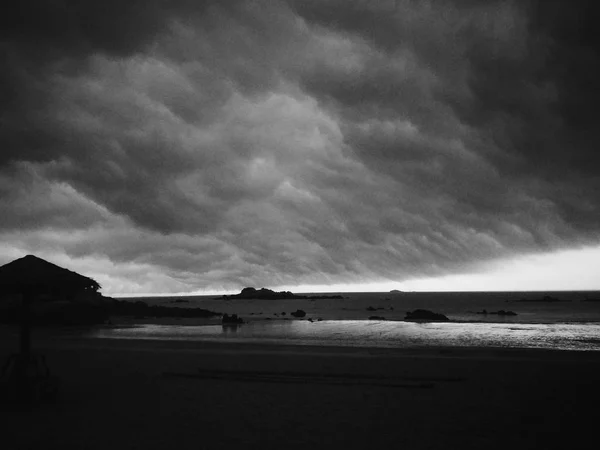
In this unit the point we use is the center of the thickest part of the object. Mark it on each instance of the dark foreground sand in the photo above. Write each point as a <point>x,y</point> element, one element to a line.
<point>158,395</point>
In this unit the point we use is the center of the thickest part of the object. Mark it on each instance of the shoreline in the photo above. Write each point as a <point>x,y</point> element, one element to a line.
<point>428,338</point>
<point>251,348</point>
<point>125,321</point>
<point>234,348</point>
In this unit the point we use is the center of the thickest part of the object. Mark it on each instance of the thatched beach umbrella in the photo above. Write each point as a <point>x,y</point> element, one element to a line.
<point>33,278</point>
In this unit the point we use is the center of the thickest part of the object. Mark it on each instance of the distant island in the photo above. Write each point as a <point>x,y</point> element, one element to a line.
<point>268,294</point>
<point>395,291</point>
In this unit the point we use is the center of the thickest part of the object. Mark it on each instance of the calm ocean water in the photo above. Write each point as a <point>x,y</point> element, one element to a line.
<point>458,306</point>
<point>569,324</point>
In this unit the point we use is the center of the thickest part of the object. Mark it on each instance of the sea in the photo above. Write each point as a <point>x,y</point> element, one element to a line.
<point>544,320</point>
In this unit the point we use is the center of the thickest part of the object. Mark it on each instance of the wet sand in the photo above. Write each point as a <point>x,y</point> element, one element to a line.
<point>191,395</point>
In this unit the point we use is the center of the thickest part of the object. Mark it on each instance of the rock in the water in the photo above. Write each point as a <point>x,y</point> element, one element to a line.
<point>298,313</point>
<point>424,315</point>
<point>231,319</point>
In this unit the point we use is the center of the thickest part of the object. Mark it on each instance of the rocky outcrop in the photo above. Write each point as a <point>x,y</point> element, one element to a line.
<point>299,313</point>
<point>261,294</point>
<point>231,319</point>
<point>424,315</point>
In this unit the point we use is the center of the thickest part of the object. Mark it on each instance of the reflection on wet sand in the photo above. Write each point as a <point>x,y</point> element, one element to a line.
<point>229,328</point>
<point>384,334</point>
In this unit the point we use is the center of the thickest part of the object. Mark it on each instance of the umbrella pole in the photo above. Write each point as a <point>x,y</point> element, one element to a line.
<point>24,357</point>
<point>25,338</point>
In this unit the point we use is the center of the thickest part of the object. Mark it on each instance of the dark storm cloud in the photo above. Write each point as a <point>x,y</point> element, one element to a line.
<point>43,38</point>
<point>33,202</point>
<point>219,144</point>
<point>78,28</point>
<point>509,80</point>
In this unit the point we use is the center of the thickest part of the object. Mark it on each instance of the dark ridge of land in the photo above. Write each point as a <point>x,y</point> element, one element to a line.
<point>267,294</point>
<point>98,311</point>
<point>139,308</point>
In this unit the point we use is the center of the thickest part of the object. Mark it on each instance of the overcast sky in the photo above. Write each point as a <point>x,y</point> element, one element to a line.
<point>185,146</point>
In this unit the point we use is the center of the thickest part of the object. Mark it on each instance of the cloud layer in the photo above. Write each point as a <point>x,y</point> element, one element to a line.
<point>177,146</point>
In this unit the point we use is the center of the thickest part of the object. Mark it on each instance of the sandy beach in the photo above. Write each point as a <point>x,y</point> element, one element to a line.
<point>155,395</point>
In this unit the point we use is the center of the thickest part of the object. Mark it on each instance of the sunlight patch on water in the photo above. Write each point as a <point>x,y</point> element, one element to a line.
<point>359,333</point>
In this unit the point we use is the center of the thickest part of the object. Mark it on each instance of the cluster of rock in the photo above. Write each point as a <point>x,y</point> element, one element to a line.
<point>231,319</point>
<point>267,294</point>
<point>234,319</point>
<point>298,313</point>
<point>424,315</point>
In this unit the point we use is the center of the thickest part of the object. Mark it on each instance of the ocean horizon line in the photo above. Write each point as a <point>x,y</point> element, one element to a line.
<point>220,294</point>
